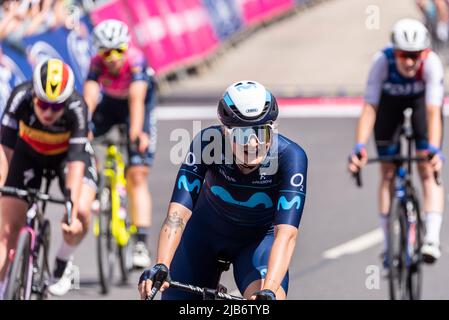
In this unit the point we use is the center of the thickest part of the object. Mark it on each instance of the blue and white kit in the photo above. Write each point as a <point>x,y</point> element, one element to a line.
<point>233,214</point>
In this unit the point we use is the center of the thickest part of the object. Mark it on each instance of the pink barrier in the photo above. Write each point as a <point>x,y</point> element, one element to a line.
<point>175,32</point>
<point>256,11</point>
<point>154,34</point>
<point>170,32</point>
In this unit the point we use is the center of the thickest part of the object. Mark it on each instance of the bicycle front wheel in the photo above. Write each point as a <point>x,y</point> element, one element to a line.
<point>106,246</point>
<point>126,259</point>
<point>415,234</point>
<point>41,274</point>
<point>397,275</point>
<point>19,275</point>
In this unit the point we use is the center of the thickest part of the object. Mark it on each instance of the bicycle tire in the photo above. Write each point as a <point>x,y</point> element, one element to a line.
<point>126,259</point>
<point>414,281</point>
<point>106,247</point>
<point>18,287</point>
<point>397,275</point>
<point>40,279</point>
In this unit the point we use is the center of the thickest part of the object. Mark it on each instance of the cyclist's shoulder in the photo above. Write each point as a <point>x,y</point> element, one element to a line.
<point>289,149</point>
<point>24,88</point>
<point>21,95</point>
<point>432,58</point>
<point>96,61</point>
<point>135,56</point>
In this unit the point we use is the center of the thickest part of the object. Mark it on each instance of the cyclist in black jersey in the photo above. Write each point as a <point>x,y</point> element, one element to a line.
<point>44,127</point>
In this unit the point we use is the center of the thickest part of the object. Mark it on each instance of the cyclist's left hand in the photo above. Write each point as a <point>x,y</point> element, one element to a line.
<point>436,157</point>
<point>265,294</point>
<point>144,141</point>
<point>75,228</point>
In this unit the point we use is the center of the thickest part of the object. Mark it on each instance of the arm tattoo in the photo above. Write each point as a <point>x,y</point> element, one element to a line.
<point>172,223</point>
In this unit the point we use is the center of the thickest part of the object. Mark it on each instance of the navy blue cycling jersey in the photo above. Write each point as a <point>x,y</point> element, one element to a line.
<point>273,194</point>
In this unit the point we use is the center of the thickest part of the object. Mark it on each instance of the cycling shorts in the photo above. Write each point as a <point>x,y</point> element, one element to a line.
<point>112,111</point>
<point>389,120</point>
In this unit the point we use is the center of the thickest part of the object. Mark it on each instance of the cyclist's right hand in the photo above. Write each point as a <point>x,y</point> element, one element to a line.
<point>358,158</point>
<point>156,277</point>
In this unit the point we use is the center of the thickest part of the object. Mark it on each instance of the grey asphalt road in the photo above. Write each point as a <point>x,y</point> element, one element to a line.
<point>325,49</point>
<point>336,212</point>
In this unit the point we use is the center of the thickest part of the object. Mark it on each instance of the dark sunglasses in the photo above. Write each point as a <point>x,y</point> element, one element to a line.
<point>411,55</point>
<point>55,107</point>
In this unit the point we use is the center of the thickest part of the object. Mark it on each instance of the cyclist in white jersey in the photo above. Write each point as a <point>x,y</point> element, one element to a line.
<point>406,74</point>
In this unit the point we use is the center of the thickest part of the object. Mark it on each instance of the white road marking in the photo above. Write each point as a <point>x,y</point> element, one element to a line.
<point>210,112</point>
<point>168,113</point>
<point>356,245</point>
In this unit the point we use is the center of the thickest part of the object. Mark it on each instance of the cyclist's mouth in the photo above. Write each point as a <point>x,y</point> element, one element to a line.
<point>252,152</point>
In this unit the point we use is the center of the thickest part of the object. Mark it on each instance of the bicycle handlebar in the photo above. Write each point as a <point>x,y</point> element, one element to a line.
<point>193,289</point>
<point>36,194</point>
<point>203,291</point>
<point>398,160</point>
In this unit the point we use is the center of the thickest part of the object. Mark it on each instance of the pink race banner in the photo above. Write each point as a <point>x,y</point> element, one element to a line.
<point>153,34</point>
<point>201,34</point>
<point>256,11</point>
<point>170,32</point>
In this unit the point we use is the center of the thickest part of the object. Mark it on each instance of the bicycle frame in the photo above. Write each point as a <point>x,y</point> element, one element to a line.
<point>114,172</point>
<point>36,225</point>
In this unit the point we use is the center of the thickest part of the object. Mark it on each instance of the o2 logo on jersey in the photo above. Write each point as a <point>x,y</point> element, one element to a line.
<point>297,181</point>
<point>190,159</point>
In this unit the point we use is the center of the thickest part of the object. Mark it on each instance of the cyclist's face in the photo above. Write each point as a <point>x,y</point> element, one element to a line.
<point>48,116</point>
<point>113,58</point>
<point>408,63</point>
<point>251,154</point>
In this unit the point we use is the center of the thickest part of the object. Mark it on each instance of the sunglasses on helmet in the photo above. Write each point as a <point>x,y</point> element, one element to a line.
<point>55,107</point>
<point>243,135</point>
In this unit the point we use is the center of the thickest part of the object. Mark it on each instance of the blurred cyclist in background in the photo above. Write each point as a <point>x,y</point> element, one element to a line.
<point>243,205</point>
<point>121,73</point>
<point>45,127</point>
<point>438,10</point>
<point>405,74</point>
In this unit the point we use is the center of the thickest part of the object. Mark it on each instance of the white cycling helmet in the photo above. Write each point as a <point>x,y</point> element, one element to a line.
<point>247,103</point>
<point>410,35</point>
<point>111,34</point>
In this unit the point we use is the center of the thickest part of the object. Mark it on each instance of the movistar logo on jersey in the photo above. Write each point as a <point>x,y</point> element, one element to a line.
<point>287,205</point>
<point>258,198</point>
<point>184,183</point>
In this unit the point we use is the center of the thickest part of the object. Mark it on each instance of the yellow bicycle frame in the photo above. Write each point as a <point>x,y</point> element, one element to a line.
<point>114,172</point>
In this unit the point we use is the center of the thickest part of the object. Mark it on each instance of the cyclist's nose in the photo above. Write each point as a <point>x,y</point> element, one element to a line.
<point>253,143</point>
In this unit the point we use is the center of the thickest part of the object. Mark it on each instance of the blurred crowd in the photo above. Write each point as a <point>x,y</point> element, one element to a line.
<point>21,18</point>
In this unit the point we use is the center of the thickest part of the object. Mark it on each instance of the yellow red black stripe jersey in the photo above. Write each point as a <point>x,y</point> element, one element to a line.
<point>68,135</point>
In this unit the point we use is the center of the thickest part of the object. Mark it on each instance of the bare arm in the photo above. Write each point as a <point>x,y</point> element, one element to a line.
<point>137,93</point>
<point>366,123</point>
<point>442,9</point>
<point>74,182</point>
<point>434,125</point>
<point>91,94</point>
<point>280,255</point>
<point>171,232</point>
<point>5,158</point>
